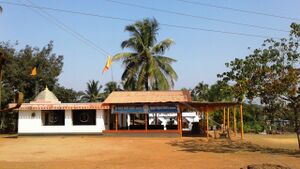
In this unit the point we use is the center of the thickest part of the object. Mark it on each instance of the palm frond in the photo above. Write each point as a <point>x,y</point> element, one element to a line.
<point>162,46</point>
<point>122,56</point>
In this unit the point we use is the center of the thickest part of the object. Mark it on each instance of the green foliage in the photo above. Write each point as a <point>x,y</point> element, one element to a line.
<point>217,116</point>
<point>201,92</point>
<point>219,91</point>
<point>271,73</point>
<point>17,70</point>
<point>93,92</point>
<point>109,88</point>
<point>145,67</point>
<point>9,122</point>
<point>247,127</point>
<point>257,127</point>
<point>66,95</point>
<point>16,66</point>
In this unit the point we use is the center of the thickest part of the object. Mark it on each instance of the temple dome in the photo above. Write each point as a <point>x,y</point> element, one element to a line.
<point>46,96</point>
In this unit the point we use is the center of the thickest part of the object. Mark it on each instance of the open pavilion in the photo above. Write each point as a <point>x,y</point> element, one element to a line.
<point>126,107</point>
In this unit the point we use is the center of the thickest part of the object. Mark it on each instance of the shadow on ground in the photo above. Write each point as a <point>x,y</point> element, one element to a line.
<point>227,146</point>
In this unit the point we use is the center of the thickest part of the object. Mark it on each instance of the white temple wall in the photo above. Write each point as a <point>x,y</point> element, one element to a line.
<point>30,123</point>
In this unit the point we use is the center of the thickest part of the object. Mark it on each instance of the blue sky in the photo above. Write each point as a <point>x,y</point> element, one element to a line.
<point>200,55</point>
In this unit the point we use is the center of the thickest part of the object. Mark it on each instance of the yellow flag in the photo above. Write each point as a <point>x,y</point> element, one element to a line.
<point>107,65</point>
<point>33,72</point>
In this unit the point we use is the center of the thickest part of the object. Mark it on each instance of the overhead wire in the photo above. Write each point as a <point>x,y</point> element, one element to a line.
<point>70,30</point>
<point>132,20</point>
<point>239,10</point>
<point>126,19</point>
<point>195,16</point>
<point>77,35</point>
<point>80,37</point>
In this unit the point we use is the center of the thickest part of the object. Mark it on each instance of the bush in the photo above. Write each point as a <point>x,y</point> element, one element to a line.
<point>247,128</point>
<point>257,127</point>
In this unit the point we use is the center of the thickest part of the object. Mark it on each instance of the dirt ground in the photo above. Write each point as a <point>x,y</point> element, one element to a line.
<point>95,152</point>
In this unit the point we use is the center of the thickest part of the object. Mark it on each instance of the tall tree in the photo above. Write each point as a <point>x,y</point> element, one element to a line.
<point>145,66</point>
<point>219,91</point>
<point>16,66</point>
<point>16,73</point>
<point>93,92</point>
<point>272,74</point>
<point>200,92</point>
<point>110,87</point>
<point>66,95</point>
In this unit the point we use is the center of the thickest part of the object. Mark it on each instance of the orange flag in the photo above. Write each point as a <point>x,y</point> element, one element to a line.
<point>107,65</point>
<point>33,72</point>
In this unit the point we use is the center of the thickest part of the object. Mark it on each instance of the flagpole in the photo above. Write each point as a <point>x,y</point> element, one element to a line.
<point>112,73</point>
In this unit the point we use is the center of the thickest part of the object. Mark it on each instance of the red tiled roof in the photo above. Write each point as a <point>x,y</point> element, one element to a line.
<point>62,106</point>
<point>123,97</point>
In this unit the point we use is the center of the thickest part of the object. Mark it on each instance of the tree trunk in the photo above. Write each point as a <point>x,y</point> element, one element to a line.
<point>298,136</point>
<point>297,129</point>
<point>146,84</point>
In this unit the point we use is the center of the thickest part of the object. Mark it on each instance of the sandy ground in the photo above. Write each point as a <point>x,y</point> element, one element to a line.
<point>83,152</point>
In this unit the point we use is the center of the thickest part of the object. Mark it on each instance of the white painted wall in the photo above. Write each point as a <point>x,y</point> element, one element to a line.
<point>34,125</point>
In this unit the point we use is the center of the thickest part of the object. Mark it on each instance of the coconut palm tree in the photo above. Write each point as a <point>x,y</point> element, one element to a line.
<point>110,87</point>
<point>92,94</point>
<point>145,66</point>
<point>201,92</point>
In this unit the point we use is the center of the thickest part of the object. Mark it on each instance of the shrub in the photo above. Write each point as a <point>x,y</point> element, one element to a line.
<point>247,128</point>
<point>257,127</point>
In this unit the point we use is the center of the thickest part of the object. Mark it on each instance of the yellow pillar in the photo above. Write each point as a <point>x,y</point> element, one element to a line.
<point>224,119</point>
<point>234,120</point>
<point>241,122</point>
<point>181,123</point>
<point>228,118</point>
<point>206,117</point>
<point>116,121</point>
<point>178,122</point>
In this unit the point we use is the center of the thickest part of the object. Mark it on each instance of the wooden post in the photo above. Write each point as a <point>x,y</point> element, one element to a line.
<point>241,122</point>
<point>133,119</point>
<point>181,123</point>
<point>228,118</point>
<point>122,120</point>
<point>224,119</point>
<point>206,117</point>
<point>234,120</point>
<point>178,122</point>
<point>116,121</point>
<point>146,122</point>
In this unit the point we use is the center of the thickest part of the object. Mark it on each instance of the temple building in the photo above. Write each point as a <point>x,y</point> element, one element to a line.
<point>47,115</point>
<point>145,112</point>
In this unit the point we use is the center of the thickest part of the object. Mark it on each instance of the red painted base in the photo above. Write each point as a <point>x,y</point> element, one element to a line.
<point>140,131</point>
